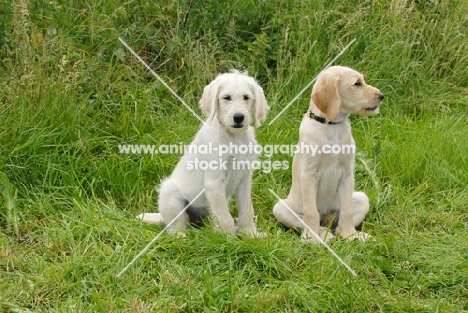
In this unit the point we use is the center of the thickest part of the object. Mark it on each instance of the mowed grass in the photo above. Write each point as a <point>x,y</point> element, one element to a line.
<point>71,93</point>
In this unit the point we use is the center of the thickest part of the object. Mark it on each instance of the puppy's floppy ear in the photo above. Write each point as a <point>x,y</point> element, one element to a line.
<point>260,105</point>
<point>325,95</point>
<point>209,100</point>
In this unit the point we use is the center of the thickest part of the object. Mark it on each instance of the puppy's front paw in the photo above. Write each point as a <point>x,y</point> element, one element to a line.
<point>229,229</point>
<point>251,231</point>
<point>359,235</point>
<point>260,235</point>
<point>253,234</point>
<point>179,232</point>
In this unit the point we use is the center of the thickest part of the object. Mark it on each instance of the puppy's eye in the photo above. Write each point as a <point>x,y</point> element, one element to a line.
<point>228,98</point>
<point>246,97</point>
<point>358,83</point>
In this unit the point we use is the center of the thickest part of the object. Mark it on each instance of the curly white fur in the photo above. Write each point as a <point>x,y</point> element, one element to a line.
<point>230,101</point>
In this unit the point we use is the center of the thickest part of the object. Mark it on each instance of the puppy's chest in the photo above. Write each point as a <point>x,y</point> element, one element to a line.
<point>328,182</point>
<point>329,178</point>
<point>243,151</point>
<point>238,165</point>
<point>240,162</point>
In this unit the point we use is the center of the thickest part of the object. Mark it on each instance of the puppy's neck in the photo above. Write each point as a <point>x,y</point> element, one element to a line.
<point>320,117</point>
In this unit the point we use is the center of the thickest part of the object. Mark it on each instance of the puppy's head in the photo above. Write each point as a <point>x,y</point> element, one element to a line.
<point>233,98</point>
<point>341,89</point>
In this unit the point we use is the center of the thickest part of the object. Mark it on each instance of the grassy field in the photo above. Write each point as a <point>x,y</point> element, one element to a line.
<point>70,93</point>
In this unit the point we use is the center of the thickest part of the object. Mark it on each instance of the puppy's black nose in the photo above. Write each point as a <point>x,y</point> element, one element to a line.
<point>238,118</point>
<point>381,96</point>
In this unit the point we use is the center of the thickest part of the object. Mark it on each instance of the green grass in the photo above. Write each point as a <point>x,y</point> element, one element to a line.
<point>70,94</point>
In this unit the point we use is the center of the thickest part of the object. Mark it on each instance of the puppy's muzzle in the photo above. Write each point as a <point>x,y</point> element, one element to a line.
<point>381,97</point>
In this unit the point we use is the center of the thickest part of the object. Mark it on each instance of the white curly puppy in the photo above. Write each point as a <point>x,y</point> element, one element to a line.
<point>323,184</point>
<point>230,101</point>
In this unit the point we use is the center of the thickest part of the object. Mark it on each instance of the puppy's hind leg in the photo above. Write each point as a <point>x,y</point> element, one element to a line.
<point>295,221</point>
<point>286,217</point>
<point>360,203</point>
<point>360,207</point>
<point>171,203</point>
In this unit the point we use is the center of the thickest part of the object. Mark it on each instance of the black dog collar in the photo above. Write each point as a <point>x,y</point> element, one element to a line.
<point>322,119</point>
